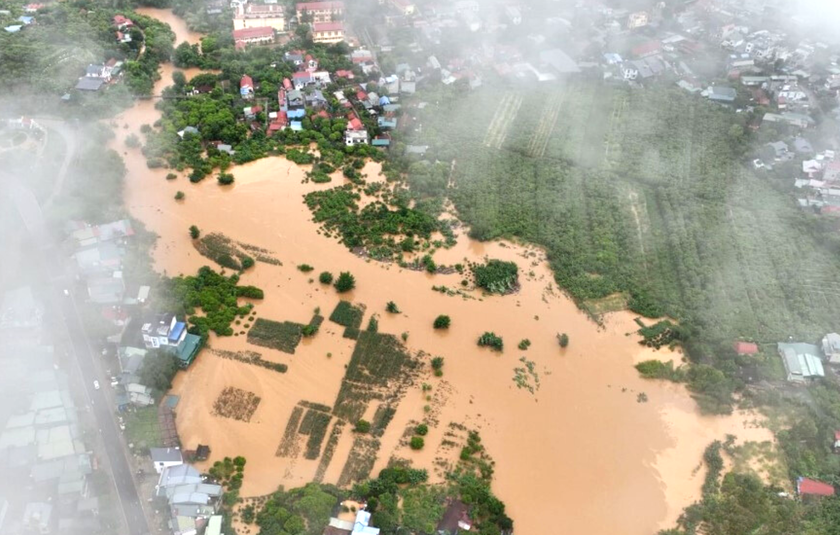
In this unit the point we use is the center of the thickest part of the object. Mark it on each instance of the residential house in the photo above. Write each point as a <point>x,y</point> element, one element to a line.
<point>793,119</point>
<point>801,361</point>
<point>802,146</point>
<point>165,457</point>
<point>165,331</point>
<point>778,151</point>
<point>745,348</point>
<point>259,15</point>
<point>302,79</point>
<point>328,32</point>
<point>214,525</point>
<point>637,20</point>
<point>831,347</point>
<point>726,95</point>
<point>319,11</point>
<point>246,87</point>
<point>806,487</point>
<point>455,518</point>
<point>295,100</point>
<point>251,36</point>
<point>405,7</point>
<point>192,503</point>
<point>188,130</point>
<point>355,133</point>
<point>315,99</point>
<point>106,289</point>
<point>649,48</point>
<point>122,23</point>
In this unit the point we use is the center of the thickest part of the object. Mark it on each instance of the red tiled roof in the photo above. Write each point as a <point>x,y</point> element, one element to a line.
<point>361,95</point>
<point>811,487</point>
<point>303,74</point>
<point>320,6</point>
<point>252,33</point>
<point>281,97</point>
<point>355,124</point>
<point>646,49</point>
<point>323,113</point>
<point>246,81</point>
<point>287,83</point>
<point>746,348</point>
<point>327,27</point>
<point>344,74</point>
<point>837,435</point>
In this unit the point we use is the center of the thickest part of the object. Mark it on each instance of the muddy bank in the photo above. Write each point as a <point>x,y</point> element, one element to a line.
<point>577,452</point>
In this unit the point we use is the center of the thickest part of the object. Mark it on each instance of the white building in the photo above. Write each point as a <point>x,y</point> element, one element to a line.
<point>166,457</point>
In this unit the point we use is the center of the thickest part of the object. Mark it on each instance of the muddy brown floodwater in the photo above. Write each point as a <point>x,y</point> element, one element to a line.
<point>578,455</point>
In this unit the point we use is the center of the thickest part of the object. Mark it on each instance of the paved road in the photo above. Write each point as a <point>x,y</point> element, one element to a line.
<point>101,408</point>
<point>52,267</point>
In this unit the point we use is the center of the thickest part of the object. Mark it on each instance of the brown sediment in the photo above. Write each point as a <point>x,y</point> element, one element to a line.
<point>579,455</point>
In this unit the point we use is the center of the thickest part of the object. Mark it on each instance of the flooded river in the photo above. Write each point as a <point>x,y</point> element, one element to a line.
<point>581,454</point>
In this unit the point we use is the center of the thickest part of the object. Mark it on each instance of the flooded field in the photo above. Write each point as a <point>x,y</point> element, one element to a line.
<point>580,454</point>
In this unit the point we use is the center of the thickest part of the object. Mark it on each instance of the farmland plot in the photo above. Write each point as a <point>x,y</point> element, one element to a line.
<point>502,119</point>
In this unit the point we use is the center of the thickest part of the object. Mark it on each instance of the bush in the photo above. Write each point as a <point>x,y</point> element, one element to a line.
<point>306,268</point>
<point>346,282</point>
<point>197,175</point>
<point>656,369</point>
<point>441,322</point>
<point>225,179</point>
<point>421,429</point>
<point>392,307</point>
<point>362,426</point>
<point>496,276</point>
<point>180,196</point>
<point>194,232</point>
<point>417,443</point>
<point>171,176</point>
<point>524,344</point>
<point>563,339</point>
<point>325,277</point>
<point>309,330</point>
<point>429,264</point>
<point>437,363</point>
<point>491,340</point>
<point>247,262</point>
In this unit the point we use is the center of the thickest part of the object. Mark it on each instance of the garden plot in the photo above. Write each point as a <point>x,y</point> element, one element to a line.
<point>502,119</point>
<point>542,134</point>
<point>284,336</point>
<point>350,317</point>
<point>236,404</point>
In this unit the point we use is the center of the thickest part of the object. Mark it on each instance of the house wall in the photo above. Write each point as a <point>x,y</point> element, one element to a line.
<point>276,21</point>
<point>159,466</point>
<point>333,36</point>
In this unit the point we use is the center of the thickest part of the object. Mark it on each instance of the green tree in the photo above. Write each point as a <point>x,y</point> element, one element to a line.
<point>417,443</point>
<point>563,339</point>
<point>325,277</point>
<point>158,369</point>
<point>392,307</point>
<point>225,179</point>
<point>421,430</point>
<point>441,322</point>
<point>345,282</point>
<point>179,196</point>
<point>362,426</point>
<point>179,79</point>
<point>194,232</point>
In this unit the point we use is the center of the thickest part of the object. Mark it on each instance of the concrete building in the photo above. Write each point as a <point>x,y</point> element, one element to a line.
<point>257,16</point>
<point>328,32</point>
<point>831,347</point>
<point>319,11</point>
<point>802,361</point>
<point>166,457</point>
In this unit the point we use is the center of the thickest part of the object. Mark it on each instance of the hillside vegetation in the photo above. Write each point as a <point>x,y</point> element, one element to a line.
<point>641,197</point>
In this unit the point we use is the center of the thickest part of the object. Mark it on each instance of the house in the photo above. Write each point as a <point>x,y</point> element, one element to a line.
<point>202,452</point>
<point>559,61</point>
<point>188,130</point>
<point>779,151</point>
<point>295,100</point>
<point>106,289</point>
<point>328,32</point>
<point>405,7</point>
<point>810,487</point>
<point>319,11</point>
<point>246,87</point>
<point>793,119</point>
<point>122,22</point>
<point>355,137</point>
<point>726,95</point>
<point>801,361</point>
<point>165,331</point>
<point>165,457</point>
<point>214,525</point>
<point>259,15</point>
<point>637,20</point>
<point>386,123</point>
<point>250,36</point>
<point>836,441</point>
<point>803,146</point>
<point>649,48</point>
<point>302,79</point>
<point>746,348</point>
<point>362,525</point>
<point>455,518</point>
<point>315,99</point>
<point>831,347</point>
